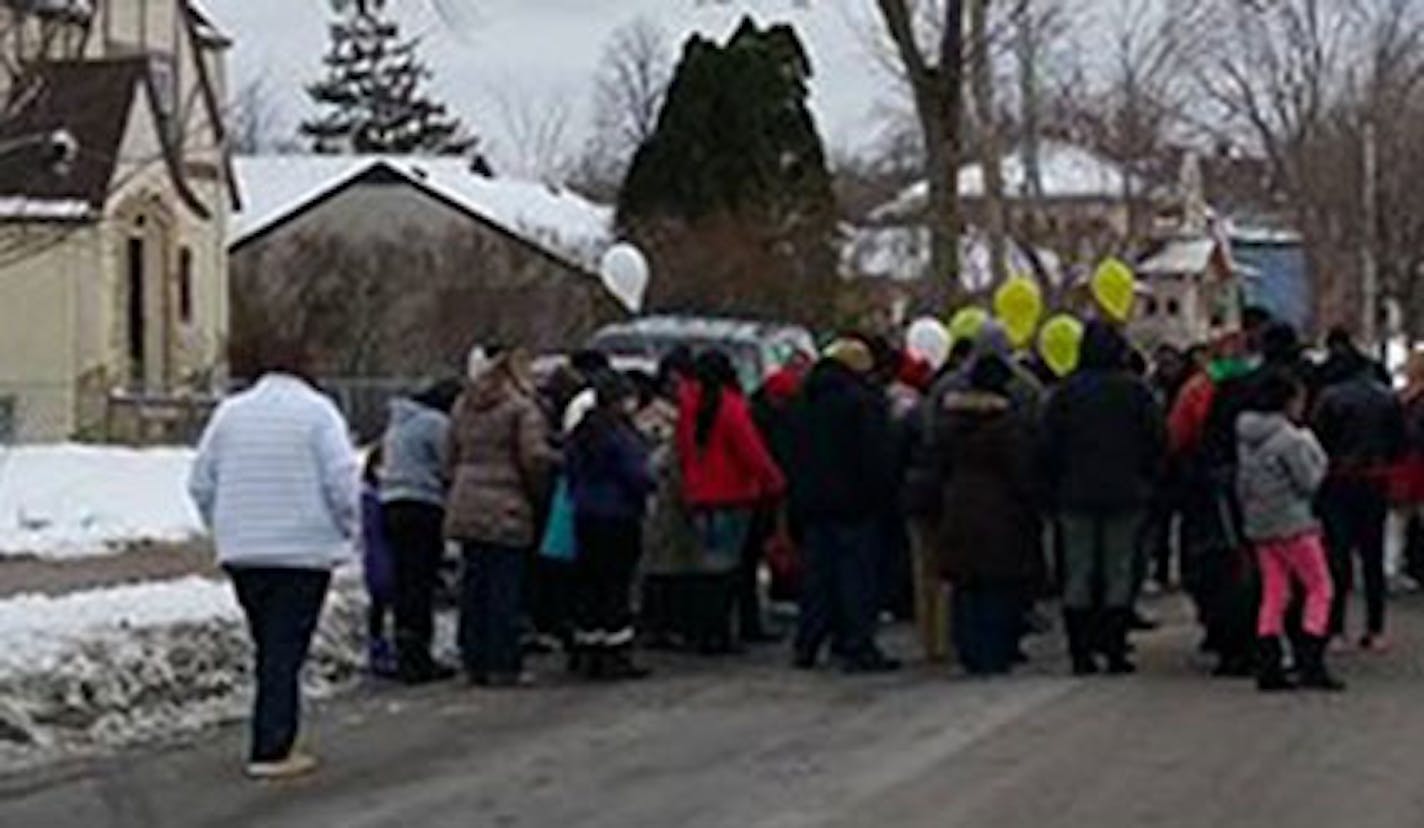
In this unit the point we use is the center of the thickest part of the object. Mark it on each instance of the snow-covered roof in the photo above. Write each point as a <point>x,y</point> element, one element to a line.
<point>1262,234</point>
<point>1179,257</point>
<point>24,208</point>
<point>554,218</point>
<point>903,254</point>
<point>1066,171</point>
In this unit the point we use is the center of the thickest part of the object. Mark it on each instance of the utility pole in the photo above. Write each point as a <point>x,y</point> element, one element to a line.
<point>1369,256</point>
<point>1028,48</point>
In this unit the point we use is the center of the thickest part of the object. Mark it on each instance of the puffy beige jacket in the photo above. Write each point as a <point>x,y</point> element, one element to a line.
<point>499,461</point>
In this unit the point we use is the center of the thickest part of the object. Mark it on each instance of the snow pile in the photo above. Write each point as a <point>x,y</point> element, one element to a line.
<point>69,500</point>
<point>110,667</point>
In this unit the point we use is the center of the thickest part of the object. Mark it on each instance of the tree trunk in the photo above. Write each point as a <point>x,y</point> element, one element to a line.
<point>982,80</point>
<point>939,99</point>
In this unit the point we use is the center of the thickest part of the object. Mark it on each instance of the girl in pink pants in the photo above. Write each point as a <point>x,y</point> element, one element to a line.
<point>1280,468</point>
<point>1302,558</point>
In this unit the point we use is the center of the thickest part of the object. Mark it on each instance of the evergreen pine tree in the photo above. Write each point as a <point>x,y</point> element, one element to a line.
<point>731,194</point>
<point>372,98</point>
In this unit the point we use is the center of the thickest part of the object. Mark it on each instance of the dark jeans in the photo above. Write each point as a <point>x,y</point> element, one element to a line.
<point>417,535</point>
<point>1354,514</point>
<point>609,549</point>
<point>282,608</point>
<point>987,619</point>
<point>490,597</point>
<point>839,598</point>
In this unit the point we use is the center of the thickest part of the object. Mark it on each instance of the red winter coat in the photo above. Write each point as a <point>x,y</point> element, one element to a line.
<point>734,468</point>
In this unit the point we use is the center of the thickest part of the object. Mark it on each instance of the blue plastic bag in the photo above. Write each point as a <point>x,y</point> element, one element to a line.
<point>560,542</point>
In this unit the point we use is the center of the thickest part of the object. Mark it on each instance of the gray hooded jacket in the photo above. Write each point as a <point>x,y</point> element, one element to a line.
<point>1280,468</point>
<point>413,467</point>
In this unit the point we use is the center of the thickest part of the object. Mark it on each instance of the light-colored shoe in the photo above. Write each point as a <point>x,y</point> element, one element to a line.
<point>296,764</point>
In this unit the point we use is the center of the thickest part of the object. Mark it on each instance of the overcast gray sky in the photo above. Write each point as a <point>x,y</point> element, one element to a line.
<point>544,48</point>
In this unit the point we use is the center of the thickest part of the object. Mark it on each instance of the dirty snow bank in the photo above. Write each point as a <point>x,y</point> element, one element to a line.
<point>92,671</point>
<point>67,500</point>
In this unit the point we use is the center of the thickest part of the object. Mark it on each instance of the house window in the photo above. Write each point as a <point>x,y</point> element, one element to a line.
<point>185,286</point>
<point>1174,307</point>
<point>137,330</point>
<point>1150,307</point>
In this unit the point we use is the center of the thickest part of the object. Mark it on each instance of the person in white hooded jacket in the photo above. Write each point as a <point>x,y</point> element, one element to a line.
<point>276,479</point>
<point>1281,467</point>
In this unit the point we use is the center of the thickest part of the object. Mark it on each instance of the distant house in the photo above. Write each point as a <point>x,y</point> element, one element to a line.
<point>115,193</point>
<point>395,266</point>
<point>1077,205</point>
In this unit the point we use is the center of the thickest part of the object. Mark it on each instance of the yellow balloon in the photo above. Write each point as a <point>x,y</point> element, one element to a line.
<point>1019,304</point>
<point>967,323</point>
<point>1059,343</point>
<point>1115,289</point>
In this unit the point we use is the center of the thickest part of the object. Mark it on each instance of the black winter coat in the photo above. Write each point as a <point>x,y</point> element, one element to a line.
<point>1360,424</point>
<point>1104,442</point>
<point>842,465</point>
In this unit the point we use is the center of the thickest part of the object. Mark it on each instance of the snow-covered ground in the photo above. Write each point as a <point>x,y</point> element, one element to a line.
<point>66,501</point>
<point>94,670</point>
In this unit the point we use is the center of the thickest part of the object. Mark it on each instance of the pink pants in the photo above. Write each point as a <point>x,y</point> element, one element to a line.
<point>1303,557</point>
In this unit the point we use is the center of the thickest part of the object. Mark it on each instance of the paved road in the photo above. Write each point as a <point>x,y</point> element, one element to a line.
<point>752,744</point>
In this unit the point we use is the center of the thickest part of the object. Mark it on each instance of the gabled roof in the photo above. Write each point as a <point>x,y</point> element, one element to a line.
<point>88,102</point>
<point>553,220</point>
<point>1180,257</point>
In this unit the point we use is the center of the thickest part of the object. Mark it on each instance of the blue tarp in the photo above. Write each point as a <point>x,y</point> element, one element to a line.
<point>1279,281</point>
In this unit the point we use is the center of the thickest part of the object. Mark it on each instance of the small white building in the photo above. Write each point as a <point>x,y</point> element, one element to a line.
<point>1190,292</point>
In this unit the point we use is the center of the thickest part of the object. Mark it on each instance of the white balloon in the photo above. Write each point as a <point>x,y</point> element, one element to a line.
<point>929,339</point>
<point>624,271</point>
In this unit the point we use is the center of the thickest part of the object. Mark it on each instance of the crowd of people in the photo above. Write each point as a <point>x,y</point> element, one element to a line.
<point>597,512</point>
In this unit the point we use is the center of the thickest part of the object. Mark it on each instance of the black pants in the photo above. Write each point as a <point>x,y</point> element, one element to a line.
<point>609,549</point>
<point>987,619</point>
<point>749,613</point>
<point>1354,514</point>
<point>549,598</point>
<point>491,592</point>
<point>840,598</point>
<point>282,607</point>
<point>417,535</point>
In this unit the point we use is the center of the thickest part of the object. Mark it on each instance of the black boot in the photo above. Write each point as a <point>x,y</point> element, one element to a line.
<point>1314,675</point>
<point>1270,675</point>
<point>414,666</point>
<point>1077,623</point>
<point>1116,623</point>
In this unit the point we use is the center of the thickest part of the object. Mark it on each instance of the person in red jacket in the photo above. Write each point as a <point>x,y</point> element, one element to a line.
<point>727,472</point>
